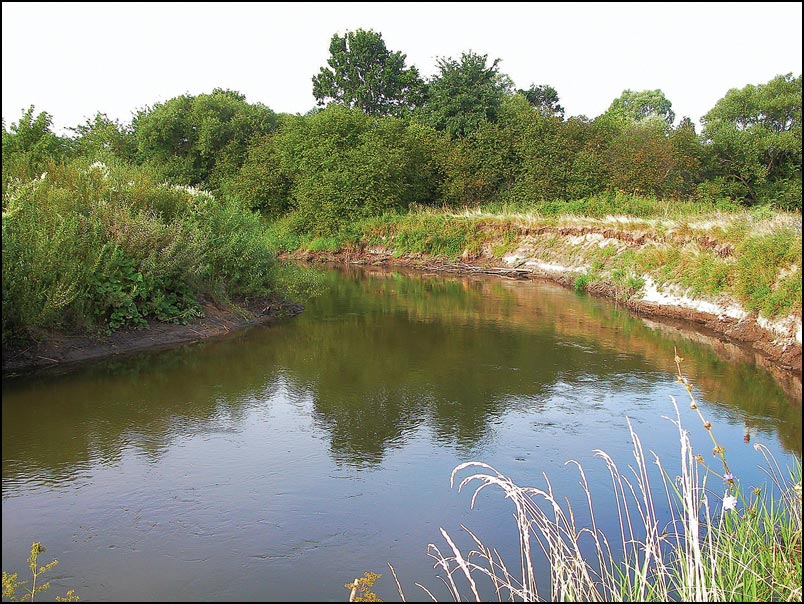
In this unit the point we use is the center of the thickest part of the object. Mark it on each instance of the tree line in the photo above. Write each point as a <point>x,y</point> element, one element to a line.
<point>382,137</point>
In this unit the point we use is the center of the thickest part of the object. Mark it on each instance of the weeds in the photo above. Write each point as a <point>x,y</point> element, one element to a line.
<point>112,246</point>
<point>705,547</point>
<point>360,589</point>
<point>11,584</point>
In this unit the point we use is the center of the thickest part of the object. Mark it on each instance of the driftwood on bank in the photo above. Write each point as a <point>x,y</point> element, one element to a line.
<point>509,273</point>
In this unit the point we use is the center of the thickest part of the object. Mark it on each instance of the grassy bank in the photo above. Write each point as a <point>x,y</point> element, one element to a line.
<point>88,246</point>
<point>716,252</point>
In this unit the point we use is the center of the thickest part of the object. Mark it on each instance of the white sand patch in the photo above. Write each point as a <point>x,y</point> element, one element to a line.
<point>550,267</point>
<point>784,328</point>
<point>593,239</point>
<point>530,262</point>
<point>676,298</point>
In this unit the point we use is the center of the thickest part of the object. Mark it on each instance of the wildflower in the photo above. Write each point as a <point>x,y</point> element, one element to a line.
<point>718,449</point>
<point>693,405</point>
<point>699,458</point>
<point>729,502</point>
<point>708,425</point>
<point>728,477</point>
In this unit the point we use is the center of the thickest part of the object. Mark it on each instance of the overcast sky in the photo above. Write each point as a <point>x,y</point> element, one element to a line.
<point>74,59</point>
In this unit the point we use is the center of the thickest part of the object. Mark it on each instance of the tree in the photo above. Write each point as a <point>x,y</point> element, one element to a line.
<point>640,159</point>
<point>754,136</point>
<point>544,99</point>
<point>634,107</point>
<point>102,136</point>
<point>688,154</point>
<point>364,74</point>
<point>465,94</point>
<point>200,139</point>
<point>30,144</point>
<point>336,166</point>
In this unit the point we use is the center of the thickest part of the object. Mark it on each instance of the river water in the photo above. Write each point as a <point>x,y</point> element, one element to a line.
<point>282,462</point>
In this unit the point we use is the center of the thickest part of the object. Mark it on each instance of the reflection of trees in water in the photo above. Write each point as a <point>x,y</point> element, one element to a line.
<point>379,357</point>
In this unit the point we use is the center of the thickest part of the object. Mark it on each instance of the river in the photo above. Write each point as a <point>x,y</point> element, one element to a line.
<point>282,462</point>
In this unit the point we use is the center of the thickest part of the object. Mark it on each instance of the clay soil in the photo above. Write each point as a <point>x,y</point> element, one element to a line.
<point>56,348</point>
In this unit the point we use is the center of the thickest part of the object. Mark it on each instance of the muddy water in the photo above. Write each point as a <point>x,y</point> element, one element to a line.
<point>280,463</point>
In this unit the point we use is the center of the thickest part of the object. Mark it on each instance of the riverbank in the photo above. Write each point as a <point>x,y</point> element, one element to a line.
<point>717,272</point>
<point>53,348</point>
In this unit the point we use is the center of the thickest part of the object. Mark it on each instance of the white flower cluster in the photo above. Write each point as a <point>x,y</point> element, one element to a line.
<point>100,167</point>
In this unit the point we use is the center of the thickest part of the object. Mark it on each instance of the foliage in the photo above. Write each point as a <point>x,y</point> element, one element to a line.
<point>360,590</point>
<point>11,584</point>
<point>113,246</point>
<point>641,159</point>
<point>754,138</point>
<point>466,93</point>
<point>581,282</point>
<point>261,184</point>
<point>543,98</point>
<point>29,145</point>
<point>638,106</point>
<point>200,140</point>
<point>104,139</point>
<point>341,164</point>
<point>364,74</point>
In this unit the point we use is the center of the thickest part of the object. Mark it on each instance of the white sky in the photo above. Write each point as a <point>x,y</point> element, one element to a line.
<point>74,59</point>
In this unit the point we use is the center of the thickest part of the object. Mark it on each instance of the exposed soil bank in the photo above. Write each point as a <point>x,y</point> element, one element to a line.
<point>51,348</point>
<point>777,353</point>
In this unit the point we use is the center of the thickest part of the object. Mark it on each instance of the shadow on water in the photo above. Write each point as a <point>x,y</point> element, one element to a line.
<point>379,355</point>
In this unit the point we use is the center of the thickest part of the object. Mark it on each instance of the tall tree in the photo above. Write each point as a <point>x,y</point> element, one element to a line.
<point>364,74</point>
<point>465,94</point>
<point>544,99</point>
<point>637,106</point>
<point>754,134</point>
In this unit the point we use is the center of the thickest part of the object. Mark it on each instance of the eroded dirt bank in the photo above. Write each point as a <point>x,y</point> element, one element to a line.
<point>777,345</point>
<point>52,349</point>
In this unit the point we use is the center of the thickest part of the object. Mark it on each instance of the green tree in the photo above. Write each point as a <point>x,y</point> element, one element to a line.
<point>465,94</point>
<point>102,137</point>
<point>544,99</point>
<point>30,144</point>
<point>200,139</point>
<point>632,106</point>
<point>364,74</point>
<point>640,159</point>
<point>343,164</point>
<point>754,136</point>
<point>263,184</point>
<point>688,154</point>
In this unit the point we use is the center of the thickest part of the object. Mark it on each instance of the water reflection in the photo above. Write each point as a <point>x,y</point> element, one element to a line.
<point>379,355</point>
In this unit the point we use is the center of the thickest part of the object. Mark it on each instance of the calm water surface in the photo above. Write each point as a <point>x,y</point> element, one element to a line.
<point>281,463</point>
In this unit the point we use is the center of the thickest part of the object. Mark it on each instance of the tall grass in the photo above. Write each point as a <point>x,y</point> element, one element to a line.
<point>680,538</point>
<point>90,244</point>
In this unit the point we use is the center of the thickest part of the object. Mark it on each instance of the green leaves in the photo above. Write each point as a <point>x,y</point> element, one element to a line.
<point>364,74</point>
<point>637,106</point>
<point>755,138</point>
<point>465,94</point>
<point>201,139</point>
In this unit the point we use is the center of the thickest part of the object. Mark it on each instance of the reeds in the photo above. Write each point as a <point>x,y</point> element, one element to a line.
<point>707,547</point>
